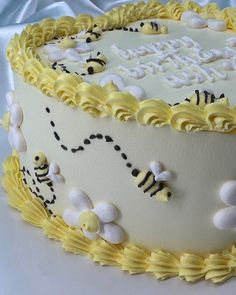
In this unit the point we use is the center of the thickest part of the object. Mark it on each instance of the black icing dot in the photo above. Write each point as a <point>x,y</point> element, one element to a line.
<point>92,136</point>
<point>124,156</point>
<point>73,150</point>
<point>99,136</point>
<point>47,110</point>
<point>135,172</point>
<point>108,138</point>
<point>87,141</point>
<point>129,165</point>
<point>64,147</point>
<point>36,158</point>
<point>52,123</point>
<point>56,136</point>
<point>117,147</point>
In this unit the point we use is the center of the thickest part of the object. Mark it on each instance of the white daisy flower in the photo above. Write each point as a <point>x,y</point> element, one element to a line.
<point>12,121</point>
<point>67,49</point>
<point>93,221</point>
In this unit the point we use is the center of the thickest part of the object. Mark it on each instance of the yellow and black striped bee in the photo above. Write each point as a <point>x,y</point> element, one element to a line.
<point>41,168</point>
<point>153,27</point>
<point>96,65</point>
<point>202,98</point>
<point>93,35</point>
<point>153,181</point>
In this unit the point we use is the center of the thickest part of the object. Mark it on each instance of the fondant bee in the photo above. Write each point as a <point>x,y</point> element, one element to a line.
<point>203,97</point>
<point>93,35</point>
<point>153,181</point>
<point>153,27</point>
<point>41,168</point>
<point>96,65</point>
<point>150,28</point>
<point>44,172</point>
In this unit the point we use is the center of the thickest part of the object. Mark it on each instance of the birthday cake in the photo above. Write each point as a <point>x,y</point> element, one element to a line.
<point>123,132</point>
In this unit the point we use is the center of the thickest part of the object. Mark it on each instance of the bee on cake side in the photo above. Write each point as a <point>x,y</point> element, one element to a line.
<point>153,181</point>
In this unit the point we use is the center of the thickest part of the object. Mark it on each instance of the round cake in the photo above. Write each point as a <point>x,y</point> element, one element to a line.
<point>122,129</point>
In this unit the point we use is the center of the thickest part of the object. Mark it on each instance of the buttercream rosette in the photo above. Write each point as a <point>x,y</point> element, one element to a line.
<point>94,221</point>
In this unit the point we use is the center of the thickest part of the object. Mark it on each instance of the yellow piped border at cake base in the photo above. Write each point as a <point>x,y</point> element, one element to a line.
<point>73,91</point>
<point>216,267</point>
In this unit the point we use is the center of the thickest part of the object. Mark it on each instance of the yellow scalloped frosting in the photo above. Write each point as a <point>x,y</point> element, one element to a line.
<point>217,267</point>
<point>99,102</point>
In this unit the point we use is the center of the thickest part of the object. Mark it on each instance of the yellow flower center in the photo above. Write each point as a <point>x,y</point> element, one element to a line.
<point>67,43</point>
<point>6,120</point>
<point>89,221</point>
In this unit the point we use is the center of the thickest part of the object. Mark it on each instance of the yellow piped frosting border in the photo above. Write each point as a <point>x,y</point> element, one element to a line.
<point>92,98</point>
<point>217,267</point>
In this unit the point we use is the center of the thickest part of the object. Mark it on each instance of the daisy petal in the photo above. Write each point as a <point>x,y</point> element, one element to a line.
<point>90,236</point>
<point>72,55</point>
<point>106,212</point>
<point>80,200</point>
<point>56,56</point>
<point>9,98</point>
<point>225,218</point>
<point>19,142</point>
<point>51,48</point>
<point>11,137</point>
<point>71,217</point>
<point>112,233</point>
<point>84,47</point>
<point>16,114</point>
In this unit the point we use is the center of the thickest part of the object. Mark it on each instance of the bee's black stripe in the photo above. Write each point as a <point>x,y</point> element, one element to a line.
<point>100,61</point>
<point>198,97</point>
<point>45,166</point>
<point>206,96</point>
<point>160,188</point>
<point>149,173</point>
<point>42,175</point>
<point>150,186</point>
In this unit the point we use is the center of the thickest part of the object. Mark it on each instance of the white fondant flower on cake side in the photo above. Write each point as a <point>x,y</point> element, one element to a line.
<point>12,121</point>
<point>226,218</point>
<point>93,221</point>
<point>67,49</point>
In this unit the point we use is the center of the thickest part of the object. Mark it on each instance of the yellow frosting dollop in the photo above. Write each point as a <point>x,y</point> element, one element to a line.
<point>89,221</point>
<point>67,43</point>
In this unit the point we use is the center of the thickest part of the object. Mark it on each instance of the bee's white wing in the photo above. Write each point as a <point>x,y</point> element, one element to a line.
<point>54,173</point>
<point>16,114</point>
<point>164,176</point>
<point>155,167</point>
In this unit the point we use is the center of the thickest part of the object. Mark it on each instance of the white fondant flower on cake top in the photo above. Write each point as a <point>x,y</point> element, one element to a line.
<point>67,49</point>
<point>93,221</point>
<point>135,90</point>
<point>12,121</point>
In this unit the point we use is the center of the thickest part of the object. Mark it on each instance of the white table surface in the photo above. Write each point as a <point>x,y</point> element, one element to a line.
<point>31,264</point>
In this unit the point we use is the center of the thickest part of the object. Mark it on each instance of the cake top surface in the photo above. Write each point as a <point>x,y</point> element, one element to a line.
<point>160,64</point>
